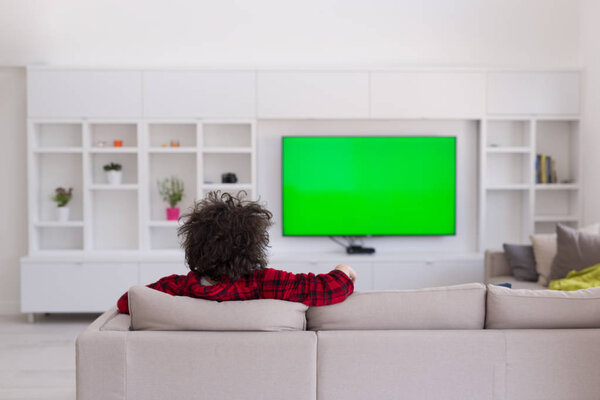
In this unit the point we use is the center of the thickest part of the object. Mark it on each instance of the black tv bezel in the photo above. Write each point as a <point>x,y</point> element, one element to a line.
<point>283,234</point>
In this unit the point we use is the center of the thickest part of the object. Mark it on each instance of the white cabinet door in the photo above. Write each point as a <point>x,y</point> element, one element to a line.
<point>199,94</point>
<point>151,272</point>
<point>533,93</point>
<point>304,94</point>
<point>81,94</point>
<point>427,94</point>
<point>74,287</point>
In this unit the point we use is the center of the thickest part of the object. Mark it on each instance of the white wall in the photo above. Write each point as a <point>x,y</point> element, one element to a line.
<point>13,173</point>
<point>539,33</point>
<point>513,33</point>
<point>269,181</point>
<point>590,29</point>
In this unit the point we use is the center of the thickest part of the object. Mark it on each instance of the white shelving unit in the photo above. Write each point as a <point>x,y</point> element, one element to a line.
<point>512,205</point>
<point>131,216</point>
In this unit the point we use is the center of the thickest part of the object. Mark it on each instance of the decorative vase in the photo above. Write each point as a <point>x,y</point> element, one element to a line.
<point>114,177</point>
<point>62,214</point>
<point>172,214</point>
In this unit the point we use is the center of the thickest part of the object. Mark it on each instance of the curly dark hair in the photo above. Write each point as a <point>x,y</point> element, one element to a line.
<point>225,235</point>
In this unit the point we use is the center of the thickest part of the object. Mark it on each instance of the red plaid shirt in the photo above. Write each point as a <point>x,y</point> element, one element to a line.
<point>268,283</point>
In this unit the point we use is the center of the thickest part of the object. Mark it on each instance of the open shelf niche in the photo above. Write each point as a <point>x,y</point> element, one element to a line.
<point>513,205</point>
<point>130,216</point>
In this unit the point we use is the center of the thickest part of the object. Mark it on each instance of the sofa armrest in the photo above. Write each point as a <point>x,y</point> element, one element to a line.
<point>495,264</point>
<point>100,361</point>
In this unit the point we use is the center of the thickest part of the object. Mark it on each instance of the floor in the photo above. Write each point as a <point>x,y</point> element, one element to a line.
<point>37,361</point>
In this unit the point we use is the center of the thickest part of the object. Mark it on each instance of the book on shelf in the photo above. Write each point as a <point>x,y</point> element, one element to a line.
<point>545,169</point>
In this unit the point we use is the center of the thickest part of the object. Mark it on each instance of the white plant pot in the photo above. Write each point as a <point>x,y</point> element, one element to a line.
<point>62,214</point>
<point>114,177</point>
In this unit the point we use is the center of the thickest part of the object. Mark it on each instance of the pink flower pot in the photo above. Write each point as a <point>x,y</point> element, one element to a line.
<point>172,214</point>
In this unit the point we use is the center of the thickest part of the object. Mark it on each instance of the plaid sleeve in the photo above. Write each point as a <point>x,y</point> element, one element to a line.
<point>310,289</point>
<point>172,284</point>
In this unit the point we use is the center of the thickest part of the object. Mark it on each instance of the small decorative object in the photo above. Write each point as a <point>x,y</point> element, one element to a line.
<point>174,143</point>
<point>62,197</point>
<point>163,145</point>
<point>229,177</point>
<point>114,175</point>
<point>117,143</point>
<point>100,143</point>
<point>171,190</point>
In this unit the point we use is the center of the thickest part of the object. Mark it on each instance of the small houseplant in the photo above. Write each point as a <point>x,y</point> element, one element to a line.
<point>114,175</point>
<point>62,197</point>
<point>171,190</point>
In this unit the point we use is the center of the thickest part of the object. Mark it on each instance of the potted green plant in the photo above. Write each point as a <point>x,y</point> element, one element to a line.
<point>62,197</point>
<point>171,190</point>
<point>114,174</point>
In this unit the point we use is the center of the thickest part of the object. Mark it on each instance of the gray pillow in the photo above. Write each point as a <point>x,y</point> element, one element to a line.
<point>522,261</point>
<point>575,250</point>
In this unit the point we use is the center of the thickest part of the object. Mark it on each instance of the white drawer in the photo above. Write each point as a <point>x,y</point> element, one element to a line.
<point>151,272</point>
<point>74,287</point>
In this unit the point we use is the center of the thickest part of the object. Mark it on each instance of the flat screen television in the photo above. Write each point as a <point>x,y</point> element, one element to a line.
<point>368,185</point>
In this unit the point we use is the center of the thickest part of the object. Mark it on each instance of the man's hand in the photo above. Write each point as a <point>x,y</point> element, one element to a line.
<point>347,270</point>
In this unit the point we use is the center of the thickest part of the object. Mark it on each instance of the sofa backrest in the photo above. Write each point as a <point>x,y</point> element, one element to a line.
<point>450,307</point>
<point>542,309</point>
<point>158,311</point>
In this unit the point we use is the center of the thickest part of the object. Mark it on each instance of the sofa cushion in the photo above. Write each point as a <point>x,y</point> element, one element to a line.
<point>521,261</point>
<point>574,251</point>
<point>158,311</point>
<point>542,309</point>
<point>451,307</point>
<point>544,249</point>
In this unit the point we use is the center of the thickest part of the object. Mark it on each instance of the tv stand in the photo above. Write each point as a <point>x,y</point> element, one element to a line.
<point>360,250</point>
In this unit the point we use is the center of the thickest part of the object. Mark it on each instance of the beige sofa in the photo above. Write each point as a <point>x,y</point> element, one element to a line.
<point>498,271</point>
<point>460,342</point>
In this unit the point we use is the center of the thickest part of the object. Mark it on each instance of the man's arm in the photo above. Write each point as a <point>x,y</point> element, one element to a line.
<point>310,289</point>
<point>172,284</point>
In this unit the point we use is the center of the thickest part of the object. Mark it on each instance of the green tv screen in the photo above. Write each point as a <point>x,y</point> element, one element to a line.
<point>360,186</point>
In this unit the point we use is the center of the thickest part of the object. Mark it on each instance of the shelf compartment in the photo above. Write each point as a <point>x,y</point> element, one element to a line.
<point>109,132</point>
<point>173,150</point>
<point>550,226</point>
<point>128,163</point>
<point>164,224</point>
<point>113,150</point>
<point>164,238</point>
<point>115,220</point>
<point>554,205</point>
<point>227,135</point>
<point>106,186</point>
<point>57,135</point>
<point>507,134</point>
<point>58,170</point>
<point>227,150</point>
<point>508,169</point>
<point>58,224</point>
<point>60,238</point>
<point>164,133</point>
<point>508,149</point>
<point>507,218</point>
<point>217,164</point>
<point>522,186</point>
<point>182,166</point>
<point>557,186</point>
<point>556,218</point>
<point>59,150</point>
<point>559,140</point>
